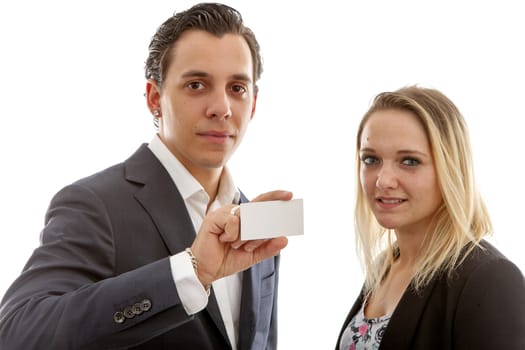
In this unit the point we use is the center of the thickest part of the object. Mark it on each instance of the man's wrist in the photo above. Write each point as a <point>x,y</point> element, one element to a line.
<point>195,265</point>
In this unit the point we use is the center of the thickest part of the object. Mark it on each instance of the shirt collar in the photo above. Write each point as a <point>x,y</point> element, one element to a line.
<point>186,183</point>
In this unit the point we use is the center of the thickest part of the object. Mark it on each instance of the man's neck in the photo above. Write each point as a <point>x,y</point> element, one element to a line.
<point>210,181</point>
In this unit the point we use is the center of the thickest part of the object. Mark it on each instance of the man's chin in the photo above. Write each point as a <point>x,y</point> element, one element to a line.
<point>214,163</point>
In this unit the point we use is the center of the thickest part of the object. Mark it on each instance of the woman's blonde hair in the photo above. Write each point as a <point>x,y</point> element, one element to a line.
<point>461,221</point>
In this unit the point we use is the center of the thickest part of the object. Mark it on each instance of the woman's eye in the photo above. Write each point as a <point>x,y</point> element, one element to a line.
<point>369,160</point>
<point>411,161</point>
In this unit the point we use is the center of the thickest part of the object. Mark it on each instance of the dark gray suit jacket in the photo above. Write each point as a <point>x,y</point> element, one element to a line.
<point>481,308</point>
<point>105,249</point>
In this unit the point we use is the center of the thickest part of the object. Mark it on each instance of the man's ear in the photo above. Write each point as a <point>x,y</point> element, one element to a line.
<point>153,96</point>
<point>254,105</point>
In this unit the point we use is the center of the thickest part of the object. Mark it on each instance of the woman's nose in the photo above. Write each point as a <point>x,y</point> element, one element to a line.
<point>386,178</point>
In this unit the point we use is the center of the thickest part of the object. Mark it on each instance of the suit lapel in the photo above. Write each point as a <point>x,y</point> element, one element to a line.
<point>248,312</point>
<point>405,319</point>
<point>250,294</point>
<point>213,310</point>
<point>162,200</point>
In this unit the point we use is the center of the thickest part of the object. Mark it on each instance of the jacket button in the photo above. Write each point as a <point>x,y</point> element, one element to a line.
<point>145,305</point>
<point>128,312</point>
<point>136,308</point>
<point>118,317</point>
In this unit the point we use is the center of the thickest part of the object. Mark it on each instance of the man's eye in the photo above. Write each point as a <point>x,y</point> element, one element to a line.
<point>195,85</point>
<point>239,89</point>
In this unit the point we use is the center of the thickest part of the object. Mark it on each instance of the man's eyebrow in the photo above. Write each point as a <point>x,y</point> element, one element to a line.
<point>202,74</point>
<point>242,77</point>
<point>195,73</point>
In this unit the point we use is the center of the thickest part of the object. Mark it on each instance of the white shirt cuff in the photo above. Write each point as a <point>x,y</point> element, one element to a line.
<point>191,291</point>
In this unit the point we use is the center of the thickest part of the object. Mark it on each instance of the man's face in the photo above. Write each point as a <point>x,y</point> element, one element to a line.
<point>207,99</point>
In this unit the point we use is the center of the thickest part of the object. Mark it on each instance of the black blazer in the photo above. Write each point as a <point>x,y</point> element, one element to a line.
<point>105,254</point>
<point>482,307</point>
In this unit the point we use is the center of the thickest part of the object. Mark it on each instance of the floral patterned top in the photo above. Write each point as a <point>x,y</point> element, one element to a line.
<point>364,333</point>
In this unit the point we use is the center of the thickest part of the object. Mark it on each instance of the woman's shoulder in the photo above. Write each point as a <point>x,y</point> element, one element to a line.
<point>484,252</point>
<point>485,262</point>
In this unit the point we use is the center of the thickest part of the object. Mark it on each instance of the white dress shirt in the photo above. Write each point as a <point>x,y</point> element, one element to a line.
<point>191,292</point>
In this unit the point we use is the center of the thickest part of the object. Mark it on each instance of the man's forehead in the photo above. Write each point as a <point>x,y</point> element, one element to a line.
<point>199,53</point>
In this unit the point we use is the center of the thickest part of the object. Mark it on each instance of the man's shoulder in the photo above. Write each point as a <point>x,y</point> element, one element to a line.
<point>110,177</point>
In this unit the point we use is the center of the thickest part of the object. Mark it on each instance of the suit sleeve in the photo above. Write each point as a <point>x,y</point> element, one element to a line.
<point>69,296</point>
<point>491,308</point>
<point>272,333</point>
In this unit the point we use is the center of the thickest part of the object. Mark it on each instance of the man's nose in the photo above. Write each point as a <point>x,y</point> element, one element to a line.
<point>219,106</point>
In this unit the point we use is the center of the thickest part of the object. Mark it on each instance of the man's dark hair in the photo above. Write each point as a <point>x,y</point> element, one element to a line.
<point>214,18</point>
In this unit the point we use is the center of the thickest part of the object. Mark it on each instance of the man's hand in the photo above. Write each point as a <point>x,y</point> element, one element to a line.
<point>218,249</point>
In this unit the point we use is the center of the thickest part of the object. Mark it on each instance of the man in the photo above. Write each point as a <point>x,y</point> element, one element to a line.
<point>120,265</point>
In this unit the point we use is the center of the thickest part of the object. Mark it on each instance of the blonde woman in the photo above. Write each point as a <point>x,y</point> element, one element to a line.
<point>432,281</point>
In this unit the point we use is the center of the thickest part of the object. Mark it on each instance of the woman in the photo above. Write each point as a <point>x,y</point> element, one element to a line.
<point>432,281</point>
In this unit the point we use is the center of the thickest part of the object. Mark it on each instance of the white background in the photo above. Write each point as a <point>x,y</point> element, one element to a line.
<point>71,103</point>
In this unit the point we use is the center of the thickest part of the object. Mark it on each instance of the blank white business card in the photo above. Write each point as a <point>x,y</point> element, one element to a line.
<point>262,220</point>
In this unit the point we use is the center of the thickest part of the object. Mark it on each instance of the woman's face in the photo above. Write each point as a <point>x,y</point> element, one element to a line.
<point>397,171</point>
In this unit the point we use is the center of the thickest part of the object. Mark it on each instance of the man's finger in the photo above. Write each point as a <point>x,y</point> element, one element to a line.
<point>231,227</point>
<point>250,246</point>
<point>274,196</point>
<point>269,248</point>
